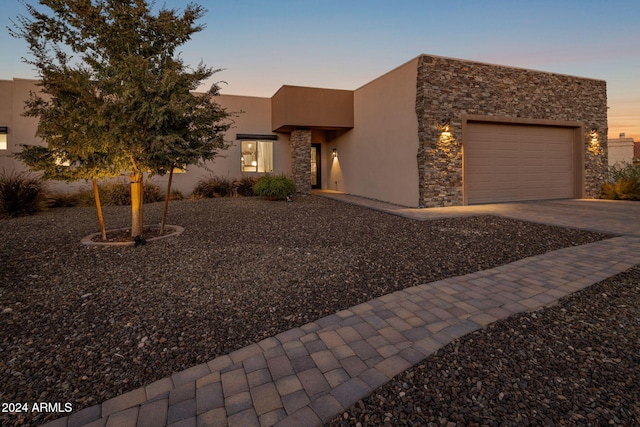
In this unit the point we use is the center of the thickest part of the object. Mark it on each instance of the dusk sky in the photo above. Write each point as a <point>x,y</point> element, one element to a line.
<point>262,45</point>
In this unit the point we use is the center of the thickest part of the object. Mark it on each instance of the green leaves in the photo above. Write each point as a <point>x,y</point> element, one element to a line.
<point>114,95</point>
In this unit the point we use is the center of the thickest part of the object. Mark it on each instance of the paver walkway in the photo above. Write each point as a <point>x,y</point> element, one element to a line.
<point>308,375</point>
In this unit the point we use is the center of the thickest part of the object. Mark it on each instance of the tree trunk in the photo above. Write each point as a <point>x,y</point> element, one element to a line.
<point>96,197</point>
<point>166,203</point>
<point>137,224</point>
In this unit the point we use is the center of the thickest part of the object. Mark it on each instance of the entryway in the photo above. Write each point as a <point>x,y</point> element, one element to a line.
<point>316,169</point>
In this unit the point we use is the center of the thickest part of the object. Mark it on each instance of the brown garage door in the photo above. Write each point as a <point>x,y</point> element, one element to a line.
<point>504,163</point>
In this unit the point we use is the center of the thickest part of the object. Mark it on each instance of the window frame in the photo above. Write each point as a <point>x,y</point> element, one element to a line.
<point>259,162</point>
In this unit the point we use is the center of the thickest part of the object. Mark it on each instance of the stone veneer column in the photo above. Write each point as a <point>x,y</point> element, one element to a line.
<point>300,141</point>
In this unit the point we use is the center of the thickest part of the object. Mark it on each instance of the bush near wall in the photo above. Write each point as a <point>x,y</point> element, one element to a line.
<point>623,182</point>
<point>216,186</point>
<point>244,185</point>
<point>116,193</point>
<point>21,194</point>
<point>213,187</point>
<point>278,187</point>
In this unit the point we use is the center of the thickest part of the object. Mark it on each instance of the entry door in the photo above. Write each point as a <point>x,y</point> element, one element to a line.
<point>315,166</point>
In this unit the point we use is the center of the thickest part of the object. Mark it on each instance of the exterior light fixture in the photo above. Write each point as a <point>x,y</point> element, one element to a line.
<point>334,153</point>
<point>445,128</point>
<point>594,142</point>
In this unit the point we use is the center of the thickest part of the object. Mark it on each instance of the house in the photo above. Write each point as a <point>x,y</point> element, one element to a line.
<point>621,149</point>
<point>434,131</point>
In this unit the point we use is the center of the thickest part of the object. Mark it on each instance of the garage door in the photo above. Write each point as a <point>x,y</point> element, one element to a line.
<point>505,163</point>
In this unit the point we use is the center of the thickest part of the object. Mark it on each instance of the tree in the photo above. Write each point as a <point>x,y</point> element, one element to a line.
<point>138,112</point>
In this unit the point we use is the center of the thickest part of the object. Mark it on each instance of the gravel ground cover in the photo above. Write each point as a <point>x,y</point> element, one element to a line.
<point>84,324</point>
<point>577,363</point>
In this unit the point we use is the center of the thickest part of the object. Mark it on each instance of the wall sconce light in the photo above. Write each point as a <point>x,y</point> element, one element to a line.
<point>334,153</point>
<point>594,142</point>
<point>445,128</point>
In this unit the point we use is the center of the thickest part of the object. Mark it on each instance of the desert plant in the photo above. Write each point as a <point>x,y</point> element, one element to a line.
<point>278,187</point>
<point>118,193</point>
<point>21,194</point>
<point>624,170</point>
<point>64,200</point>
<point>623,182</point>
<point>176,195</point>
<point>211,187</point>
<point>623,189</point>
<point>244,185</point>
<point>152,193</point>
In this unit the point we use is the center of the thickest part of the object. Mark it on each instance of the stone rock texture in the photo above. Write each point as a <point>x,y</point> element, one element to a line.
<point>448,88</point>
<point>300,142</point>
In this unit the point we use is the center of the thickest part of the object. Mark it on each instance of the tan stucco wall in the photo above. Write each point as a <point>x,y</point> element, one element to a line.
<point>255,118</point>
<point>620,150</point>
<point>22,130</point>
<point>377,158</point>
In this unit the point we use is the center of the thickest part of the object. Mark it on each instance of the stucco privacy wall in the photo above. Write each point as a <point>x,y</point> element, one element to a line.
<point>252,116</point>
<point>377,158</point>
<point>449,88</point>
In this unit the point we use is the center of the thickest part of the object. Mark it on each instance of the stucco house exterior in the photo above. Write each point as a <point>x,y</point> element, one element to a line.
<point>434,131</point>
<point>621,149</point>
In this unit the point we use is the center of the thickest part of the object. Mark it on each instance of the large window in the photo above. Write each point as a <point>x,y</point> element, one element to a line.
<point>257,156</point>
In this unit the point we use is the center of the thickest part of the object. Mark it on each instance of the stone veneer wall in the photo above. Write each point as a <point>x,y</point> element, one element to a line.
<point>300,142</point>
<point>448,88</point>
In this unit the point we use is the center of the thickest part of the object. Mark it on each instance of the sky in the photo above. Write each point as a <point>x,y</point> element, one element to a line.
<point>343,44</point>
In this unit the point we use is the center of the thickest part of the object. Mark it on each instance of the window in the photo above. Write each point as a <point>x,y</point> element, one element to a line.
<point>257,156</point>
<point>3,137</point>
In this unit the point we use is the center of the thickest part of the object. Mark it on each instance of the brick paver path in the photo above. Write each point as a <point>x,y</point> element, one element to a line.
<point>308,375</point>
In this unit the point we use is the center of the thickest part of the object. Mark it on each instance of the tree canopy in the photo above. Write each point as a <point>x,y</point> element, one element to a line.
<point>115,96</point>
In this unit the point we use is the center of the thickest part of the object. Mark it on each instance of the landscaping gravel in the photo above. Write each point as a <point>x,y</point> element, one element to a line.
<point>83,324</point>
<point>577,363</point>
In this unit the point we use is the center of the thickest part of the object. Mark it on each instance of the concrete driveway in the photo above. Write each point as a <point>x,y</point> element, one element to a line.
<point>609,216</point>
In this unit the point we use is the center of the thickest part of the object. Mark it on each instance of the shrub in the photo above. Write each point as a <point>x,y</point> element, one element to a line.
<point>623,182</point>
<point>118,193</point>
<point>213,187</point>
<point>244,185</point>
<point>176,195</point>
<point>624,170</point>
<point>21,194</point>
<point>623,189</point>
<point>151,193</point>
<point>64,200</point>
<point>274,187</point>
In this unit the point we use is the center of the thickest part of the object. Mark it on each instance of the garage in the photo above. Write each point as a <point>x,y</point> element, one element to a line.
<point>517,162</point>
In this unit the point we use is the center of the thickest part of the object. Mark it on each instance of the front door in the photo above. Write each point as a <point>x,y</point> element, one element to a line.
<point>315,166</point>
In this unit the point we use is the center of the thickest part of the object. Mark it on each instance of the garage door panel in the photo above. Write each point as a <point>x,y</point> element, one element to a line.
<point>505,162</point>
